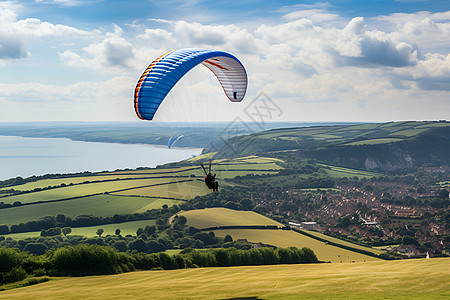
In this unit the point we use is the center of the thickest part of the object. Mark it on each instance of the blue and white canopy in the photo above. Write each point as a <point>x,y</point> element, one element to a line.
<point>164,72</point>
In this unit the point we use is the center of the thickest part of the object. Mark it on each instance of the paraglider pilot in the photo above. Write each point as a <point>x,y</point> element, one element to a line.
<point>211,182</point>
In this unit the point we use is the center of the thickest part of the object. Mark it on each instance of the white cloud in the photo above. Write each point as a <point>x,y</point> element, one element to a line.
<point>315,15</point>
<point>112,52</point>
<point>16,34</point>
<point>37,28</point>
<point>430,31</point>
<point>64,2</point>
<point>310,62</point>
<point>104,100</point>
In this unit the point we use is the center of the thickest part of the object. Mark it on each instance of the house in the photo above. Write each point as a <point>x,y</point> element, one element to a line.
<point>405,213</point>
<point>258,245</point>
<point>309,225</point>
<point>408,250</point>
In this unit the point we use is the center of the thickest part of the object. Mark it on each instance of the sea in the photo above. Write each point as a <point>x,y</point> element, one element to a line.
<point>26,156</point>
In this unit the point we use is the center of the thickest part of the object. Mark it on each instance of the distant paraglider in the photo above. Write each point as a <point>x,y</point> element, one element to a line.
<point>173,141</point>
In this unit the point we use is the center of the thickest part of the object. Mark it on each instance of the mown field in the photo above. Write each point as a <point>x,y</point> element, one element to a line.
<point>289,238</point>
<point>219,216</point>
<point>404,279</point>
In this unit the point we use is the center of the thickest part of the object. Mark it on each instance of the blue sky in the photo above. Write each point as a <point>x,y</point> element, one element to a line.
<point>78,60</point>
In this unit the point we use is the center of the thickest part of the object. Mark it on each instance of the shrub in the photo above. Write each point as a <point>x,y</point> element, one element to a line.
<point>89,260</point>
<point>36,248</point>
<point>16,274</point>
<point>8,259</point>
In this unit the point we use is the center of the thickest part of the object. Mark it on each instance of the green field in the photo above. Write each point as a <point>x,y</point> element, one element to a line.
<point>84,190</point>
<point>337,172</point>
<point>100,205</point>
<point>375,141</point>
<point>181,188</point>
<point>77,180</point>
<point>404,279</point>
<point>90,231</point>
<point>409,132</point>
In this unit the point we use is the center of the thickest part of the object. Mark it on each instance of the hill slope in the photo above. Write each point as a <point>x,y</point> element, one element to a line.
<point>385,147</point>
<point>406,279</point>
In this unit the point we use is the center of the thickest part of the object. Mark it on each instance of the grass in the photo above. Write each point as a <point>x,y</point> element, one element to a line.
<point>375,141</point>
<point>409,132</point>
<point>219,216</point>
<point>83,190</point>
<point>335,171</point>
<point>345,243</point>
<point>74,180</point>
<point>90,231</point>
<point>180,188</point>
<point>222,174</point>
<point>405,279</point>
<point>26,282</point>
<point>100,205</point>
<point>248,167</point>
<point>429,125</point>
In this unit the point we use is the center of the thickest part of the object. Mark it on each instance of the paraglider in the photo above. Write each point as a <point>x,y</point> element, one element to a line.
<point>173,141</point>
<point>164,72</point>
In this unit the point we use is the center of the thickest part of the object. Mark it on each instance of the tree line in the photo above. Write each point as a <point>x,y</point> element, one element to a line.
<point>82,260</point>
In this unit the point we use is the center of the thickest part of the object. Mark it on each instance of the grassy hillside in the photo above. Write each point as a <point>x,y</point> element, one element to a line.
<point>406,279</point>
<point>386,147</point>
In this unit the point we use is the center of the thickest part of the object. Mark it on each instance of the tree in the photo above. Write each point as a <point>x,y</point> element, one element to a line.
<point>444,193</point>
<point>182,220</point>
<point>409,240</point>
<point>228,238</point>
<point>66,230</point>
<point>4,229</point>
<point>139,231</point>
<point>100,232</point>
<point>36,248</point>
<point>60,218</point>
<point>117,231</point>
<point>149,229</point>
<point>120,245</point>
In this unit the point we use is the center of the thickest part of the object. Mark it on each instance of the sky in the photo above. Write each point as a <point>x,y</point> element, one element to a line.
<point>342,60</point>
